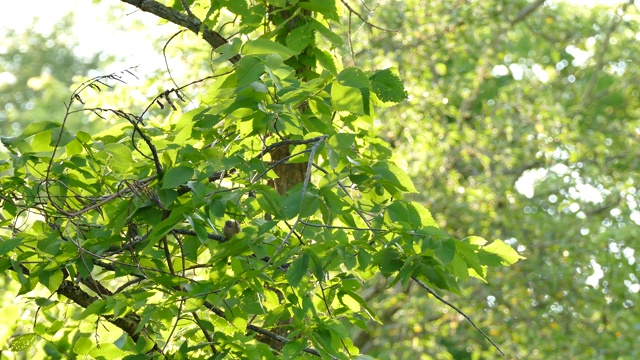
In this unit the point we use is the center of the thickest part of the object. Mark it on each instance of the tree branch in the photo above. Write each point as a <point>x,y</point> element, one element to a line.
<point>190,22</point>
<point>128,323</point>
<point>279,338</point>
<point>527,11</point>
<point>601,58</point>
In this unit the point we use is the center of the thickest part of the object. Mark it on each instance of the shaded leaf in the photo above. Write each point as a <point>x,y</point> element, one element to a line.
<point>176,176</point>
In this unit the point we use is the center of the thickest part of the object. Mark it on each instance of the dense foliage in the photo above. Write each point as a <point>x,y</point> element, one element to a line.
<point>126,239</point>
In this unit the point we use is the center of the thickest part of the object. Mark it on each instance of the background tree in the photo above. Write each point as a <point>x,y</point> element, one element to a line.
<point>37,71</point>
<point>521,124</point>
<point>124,225</point>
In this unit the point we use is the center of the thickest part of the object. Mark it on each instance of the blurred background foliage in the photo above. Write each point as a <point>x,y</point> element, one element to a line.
<point>521,125</point>
<point>36,71</point>
<point>524,129</point>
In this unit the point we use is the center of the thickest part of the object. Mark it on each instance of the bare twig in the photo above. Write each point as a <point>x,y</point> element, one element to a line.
<point>164,51</point>
<point>216,237</point>
<point>285,142</point>
<point>601,58</point>
<point>351,11</point>
<point>186,8</point>
<point>205,332</point>
<point>527,11</point>
<point>190,22</point>
<point>442,300</point>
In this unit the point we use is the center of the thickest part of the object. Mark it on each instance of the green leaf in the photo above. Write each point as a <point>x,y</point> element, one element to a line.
<point>322,340</point>
<point>332,37</point>
<point>176,176</point>
<point>83,345</point>
<point>293,349</point>
<point>176,217</point>
<point>318,268</point>
<point>273,61</point>
<point>297,269</point>
<point>433,232</point>
<point>44,302</point>
<point>325,7</point>
<point>51,279</point>
<point>40,142</point>
<point>396,178</point>
<point>38,127</point>
<point>398,213</point>
<point>277,3</point>
<point>468,254</point>
<point>25,284</point>
<point>506,254</point>
<point>436,276</point>
<point>266,47</point>
<point>60,137</point>
<point>238,7</point>
<point>412,216</point>
<point>73,148</point>
<point>295,204</point>
<point>121,159</point>
<point>96,307</point>
<point>347,98</point>
<point>108,351</point>
<point>55,326</point>
<point>270,201</point>
<point>227,51</point>
<point>362,303</point>
<point>250,69</point>
<point>459,267</point>
<point>299,38</point>
<point>83,136</point>
<point>446,251</point>
<point>184,128</point>
<point>22,342</point>
<point>387,86</point>
<point>326,60</point>
<point>353,77</point>
<point>390,261</point>
<point>409,269</point>
<point>420,214</point>
<point>342,141</point>
<point>8,245</point>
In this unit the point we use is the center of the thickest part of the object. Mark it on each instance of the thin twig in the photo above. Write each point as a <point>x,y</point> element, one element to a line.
<point>600,63</point>
<point>190,22</point>
<point>205,332</point>
<point>363,19</point>
<point>441,299</point>
<point>164,50</point>
<point>527,11</point>
<point>186,8</point>
<point>267,149</point>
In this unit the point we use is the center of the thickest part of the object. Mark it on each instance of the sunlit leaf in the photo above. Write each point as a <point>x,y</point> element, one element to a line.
<point>22,342</point>
<point>506,254</point>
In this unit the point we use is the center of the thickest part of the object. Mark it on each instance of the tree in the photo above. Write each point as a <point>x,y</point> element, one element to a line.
<point>125,225</point>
